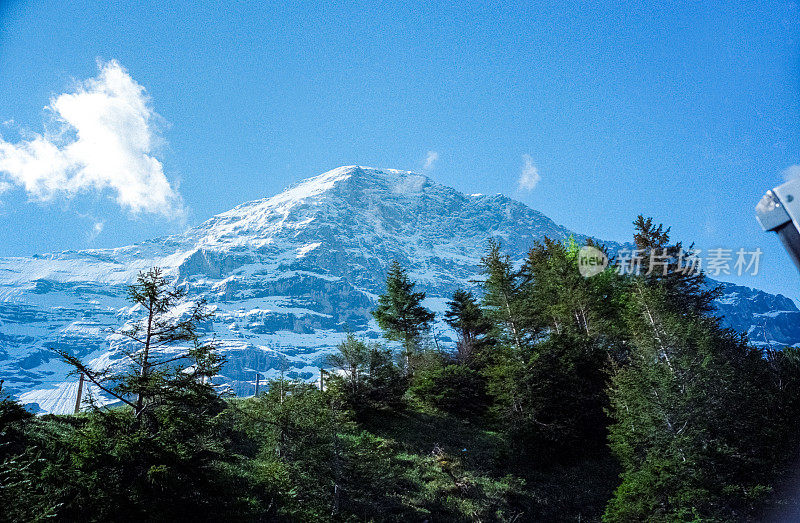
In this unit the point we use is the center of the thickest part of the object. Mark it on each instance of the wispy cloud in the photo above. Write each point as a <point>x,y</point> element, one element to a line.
<point>529,177</point>
<point>430,159</point>
<point>791,172</point>
<point>97,228</point>
<point>102,136</point>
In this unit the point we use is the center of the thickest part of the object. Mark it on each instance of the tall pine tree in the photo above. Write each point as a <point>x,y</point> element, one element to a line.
<point>501,298</point>
<point>689,402</point>
<point>154,376</point>
<point>466,317</point>
<point>550,392</point>
<point>400,312</point>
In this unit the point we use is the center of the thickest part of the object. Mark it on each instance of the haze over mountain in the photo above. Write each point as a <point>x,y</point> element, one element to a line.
<point>288,276</point>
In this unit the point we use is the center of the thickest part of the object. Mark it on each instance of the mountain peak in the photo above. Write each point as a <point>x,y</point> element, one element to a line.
<point>350,186</point>
<point>359,177</point>
<point>287,275</point>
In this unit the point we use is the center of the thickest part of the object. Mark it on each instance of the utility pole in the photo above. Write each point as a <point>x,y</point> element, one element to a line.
<point>282,366</point>
<point>336,458</point>
<point>321,379</point>
<point>258,379</point>
<point>80,393</point>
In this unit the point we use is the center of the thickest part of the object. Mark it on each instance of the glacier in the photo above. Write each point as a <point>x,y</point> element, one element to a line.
<point>287,277</point>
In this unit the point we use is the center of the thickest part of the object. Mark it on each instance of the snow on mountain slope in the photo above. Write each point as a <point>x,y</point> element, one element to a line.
<point>287,275</point>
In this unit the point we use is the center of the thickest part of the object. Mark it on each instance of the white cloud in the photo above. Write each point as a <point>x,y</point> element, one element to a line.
<point>791,172</point>
<point>97,228</point>
<point>104,138</point>
<point>530,176</point>
<point>430,159</point>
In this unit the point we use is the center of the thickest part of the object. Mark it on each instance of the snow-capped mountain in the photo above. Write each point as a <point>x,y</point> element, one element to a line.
<point>287,275</point>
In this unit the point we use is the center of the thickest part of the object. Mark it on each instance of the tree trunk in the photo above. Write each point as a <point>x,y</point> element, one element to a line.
<point>80,393</point>
<point>511,325</point>
<point>143,373</point>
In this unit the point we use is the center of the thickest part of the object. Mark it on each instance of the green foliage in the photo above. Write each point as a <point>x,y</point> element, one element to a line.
<point>551,403</point>
<point>107,466</point>
<point>691,407</point>
<point>558,299</point>
<point>666,265</point>
<point>153,378</point>
<point>465,316</point>
<point>370,380</point>
<point>20,467</point>
<point>352,357</point>
<point>13,418</point>
<point>549,390</point>
<point>553,372</point>
<point>400,312</point>
<point>458,469</point>
<point>456,389</point>
<point>329,468</point>
<point>182,468</point>
<point>501,296</point>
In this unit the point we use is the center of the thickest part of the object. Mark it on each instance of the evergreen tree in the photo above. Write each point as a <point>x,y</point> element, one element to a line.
<point>550,393</point>
<point>669,266</point>
<point>369,379</point>
<point>558,299</point>
<point>501,295</point>
<point>351,358</point>
<point>169,453</point>
<point>690,405</point>
<point>153,377</point>
<point>327,468</point>
<point>465,316</point>
<point>384,382</point>
<point>400,312</point>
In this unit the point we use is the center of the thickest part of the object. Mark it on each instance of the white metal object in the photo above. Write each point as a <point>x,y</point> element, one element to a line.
<point>779,211</point>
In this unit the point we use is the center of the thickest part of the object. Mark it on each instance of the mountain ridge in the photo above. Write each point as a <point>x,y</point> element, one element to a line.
<point>287,276</point>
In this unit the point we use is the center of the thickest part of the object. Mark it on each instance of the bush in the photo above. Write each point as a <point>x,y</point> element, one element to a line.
<point>456,389</point>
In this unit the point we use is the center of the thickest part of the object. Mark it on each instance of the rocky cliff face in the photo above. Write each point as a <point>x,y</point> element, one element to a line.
<point>288,275</point>
<point>770,321</point>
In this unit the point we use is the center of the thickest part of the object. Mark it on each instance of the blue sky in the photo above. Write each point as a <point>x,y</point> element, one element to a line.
<point>687,111</point>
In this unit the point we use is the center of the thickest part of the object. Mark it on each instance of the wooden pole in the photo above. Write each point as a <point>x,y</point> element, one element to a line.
<point>321,379</point>
<point>258,380</point>
<point>80,393</point>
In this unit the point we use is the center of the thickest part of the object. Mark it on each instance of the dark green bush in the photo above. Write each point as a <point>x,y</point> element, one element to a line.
<point>456,389</point>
